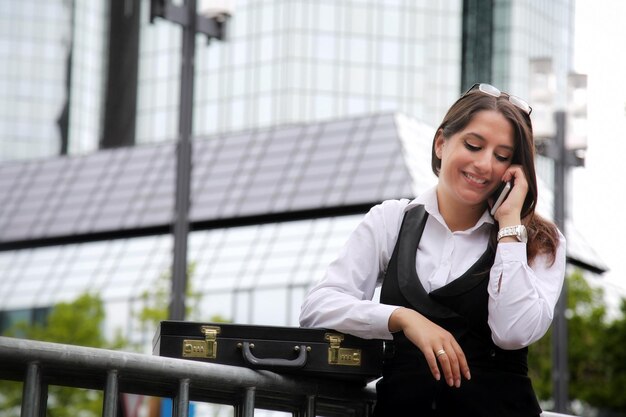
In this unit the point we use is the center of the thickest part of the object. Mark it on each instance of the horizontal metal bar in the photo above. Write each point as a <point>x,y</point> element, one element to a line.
<point>213,27</point>
<point>117,371</point>
<point>170,12</point>
<point>86,367</point>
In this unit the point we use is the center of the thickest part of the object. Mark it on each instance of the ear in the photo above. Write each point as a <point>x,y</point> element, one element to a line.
<point>439,142</point>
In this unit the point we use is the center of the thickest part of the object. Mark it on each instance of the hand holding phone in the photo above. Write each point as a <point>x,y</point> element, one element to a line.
<point>500,195</point>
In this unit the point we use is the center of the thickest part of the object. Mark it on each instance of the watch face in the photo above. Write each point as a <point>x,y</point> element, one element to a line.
<point>519,232</point>
<point>522,236</point>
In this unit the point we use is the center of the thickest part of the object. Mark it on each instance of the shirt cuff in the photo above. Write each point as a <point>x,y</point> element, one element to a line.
<point>506,253</point>
<point>379,319</point>
<point>511,252</point>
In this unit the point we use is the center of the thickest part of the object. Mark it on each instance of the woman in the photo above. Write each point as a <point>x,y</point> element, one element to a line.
<point>463,292</point>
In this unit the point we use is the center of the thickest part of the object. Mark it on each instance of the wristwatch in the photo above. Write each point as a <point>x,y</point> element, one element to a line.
<point>519,232</point>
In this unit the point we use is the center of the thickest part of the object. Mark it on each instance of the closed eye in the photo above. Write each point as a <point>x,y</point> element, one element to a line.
<point>472,148</point>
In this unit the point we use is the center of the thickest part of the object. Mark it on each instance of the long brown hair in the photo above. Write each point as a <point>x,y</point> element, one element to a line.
<point>542,234</point>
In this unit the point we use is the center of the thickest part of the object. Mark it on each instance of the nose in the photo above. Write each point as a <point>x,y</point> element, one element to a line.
<point>483,162</point>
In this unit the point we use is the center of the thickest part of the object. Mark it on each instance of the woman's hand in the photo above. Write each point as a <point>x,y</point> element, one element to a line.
<point>432,339</point>
<point>509,213</point>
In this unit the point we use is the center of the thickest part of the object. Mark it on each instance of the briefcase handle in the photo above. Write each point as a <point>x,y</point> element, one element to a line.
<point>299,362</point>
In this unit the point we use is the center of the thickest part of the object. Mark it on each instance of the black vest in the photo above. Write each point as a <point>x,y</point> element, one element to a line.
<point>499,385</point>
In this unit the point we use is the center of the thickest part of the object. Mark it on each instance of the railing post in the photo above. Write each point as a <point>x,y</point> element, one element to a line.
<point>34,394</point>
<point>111,394</point>
<point>181,402</point>
<point>309,407</point>
<point>246,407</point>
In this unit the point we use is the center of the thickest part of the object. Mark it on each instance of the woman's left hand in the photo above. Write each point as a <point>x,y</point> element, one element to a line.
<point>509,213</point>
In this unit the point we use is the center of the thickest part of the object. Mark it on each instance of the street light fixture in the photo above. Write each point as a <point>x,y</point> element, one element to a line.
<point>561,135</point>
<point>209,19</point>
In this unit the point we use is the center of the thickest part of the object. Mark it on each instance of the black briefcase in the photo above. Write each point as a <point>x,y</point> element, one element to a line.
<point>307,352</point>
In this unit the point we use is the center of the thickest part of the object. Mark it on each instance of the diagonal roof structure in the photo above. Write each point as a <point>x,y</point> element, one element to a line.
<point>282,173</point>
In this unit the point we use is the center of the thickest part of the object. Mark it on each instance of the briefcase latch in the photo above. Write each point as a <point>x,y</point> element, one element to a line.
<point>341,356</point>
<point>206,348</point>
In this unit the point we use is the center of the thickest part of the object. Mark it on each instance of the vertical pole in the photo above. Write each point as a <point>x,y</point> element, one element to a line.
<point>181,401</point>
<point>246,407</point>
<point>309,406</point>
<point>34,393</point>
<point>560,372</point>
<point>183,167</point>
<point>111,395</point>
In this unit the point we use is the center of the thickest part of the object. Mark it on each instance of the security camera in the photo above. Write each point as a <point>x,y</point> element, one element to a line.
<point>219,10</point>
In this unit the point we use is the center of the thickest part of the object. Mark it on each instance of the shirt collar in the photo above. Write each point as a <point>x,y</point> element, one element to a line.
<point>429,200</point>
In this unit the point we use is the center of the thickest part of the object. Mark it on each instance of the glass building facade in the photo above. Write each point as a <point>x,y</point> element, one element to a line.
<point>285,63</point>
<point>302,61</point>
<point>51,77</point>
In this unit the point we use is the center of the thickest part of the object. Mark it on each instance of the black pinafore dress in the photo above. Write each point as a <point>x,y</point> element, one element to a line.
<point>499,387</point>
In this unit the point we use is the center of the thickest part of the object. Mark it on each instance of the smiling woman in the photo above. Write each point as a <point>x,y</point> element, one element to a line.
<point>463,292</point>
<point>473,163</point>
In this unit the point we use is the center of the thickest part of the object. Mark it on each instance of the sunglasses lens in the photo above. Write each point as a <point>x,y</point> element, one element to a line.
<point>494,92</point>
<point>521,104</point>
<point>489,89</point>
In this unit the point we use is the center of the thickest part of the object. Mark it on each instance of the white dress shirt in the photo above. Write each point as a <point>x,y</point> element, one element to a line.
<point>521,298</point>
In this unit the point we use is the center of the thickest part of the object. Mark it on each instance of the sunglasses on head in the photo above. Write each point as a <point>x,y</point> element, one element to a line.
<point>494,92</point>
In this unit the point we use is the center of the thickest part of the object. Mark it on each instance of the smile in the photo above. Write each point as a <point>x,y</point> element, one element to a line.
<point>474,179</point>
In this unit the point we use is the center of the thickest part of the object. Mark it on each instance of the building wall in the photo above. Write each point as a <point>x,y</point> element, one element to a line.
<point>532,29</point>
<point>302,61</point>
<point>36,39</point>
<point>284,62</point>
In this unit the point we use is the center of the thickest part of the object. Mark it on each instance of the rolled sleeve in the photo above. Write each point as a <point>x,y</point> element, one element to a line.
<point>522,298</point>
<point>342,300</point>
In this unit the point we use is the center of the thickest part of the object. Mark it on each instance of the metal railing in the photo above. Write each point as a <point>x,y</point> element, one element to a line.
<point>41,364</point>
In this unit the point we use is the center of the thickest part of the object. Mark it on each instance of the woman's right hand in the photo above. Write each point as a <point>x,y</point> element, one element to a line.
<point>431,339</point>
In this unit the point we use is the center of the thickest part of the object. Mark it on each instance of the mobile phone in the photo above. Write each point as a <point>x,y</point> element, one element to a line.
<point>500,195</point>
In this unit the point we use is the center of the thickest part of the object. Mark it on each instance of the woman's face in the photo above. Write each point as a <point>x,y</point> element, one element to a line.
<point>474,159</point>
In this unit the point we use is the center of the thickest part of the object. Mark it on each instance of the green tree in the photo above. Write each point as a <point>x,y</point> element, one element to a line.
<point>596,351</point>
<point>614,365</point>
<point>155,308</point>
<point>75,323</point>
<point>155,302</point>
<point>586,327</point>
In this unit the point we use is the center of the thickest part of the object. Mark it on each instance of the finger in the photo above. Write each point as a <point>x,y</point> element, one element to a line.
<point>454,364</point>
<point>515,173</point>
<point>432,364</point>
<point>462,360</point>
<point>444,361</point>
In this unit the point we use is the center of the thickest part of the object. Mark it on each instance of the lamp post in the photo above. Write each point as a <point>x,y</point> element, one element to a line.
<point>560,135</point>
<point>211,23</point>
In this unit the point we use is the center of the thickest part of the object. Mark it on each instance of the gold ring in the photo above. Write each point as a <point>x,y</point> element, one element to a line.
<point>440,352</point>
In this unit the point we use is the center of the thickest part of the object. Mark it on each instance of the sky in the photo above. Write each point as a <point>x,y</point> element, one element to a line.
<point>598,189</point>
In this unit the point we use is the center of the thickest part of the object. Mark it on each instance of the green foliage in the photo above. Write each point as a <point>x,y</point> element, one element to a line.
<point>74,323</point>
<point>596,351</point>
<point>540,366</point>
<point>155,302</point>
<point>586,329</point>
<point>80,323</point>
<point>614,361</point>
